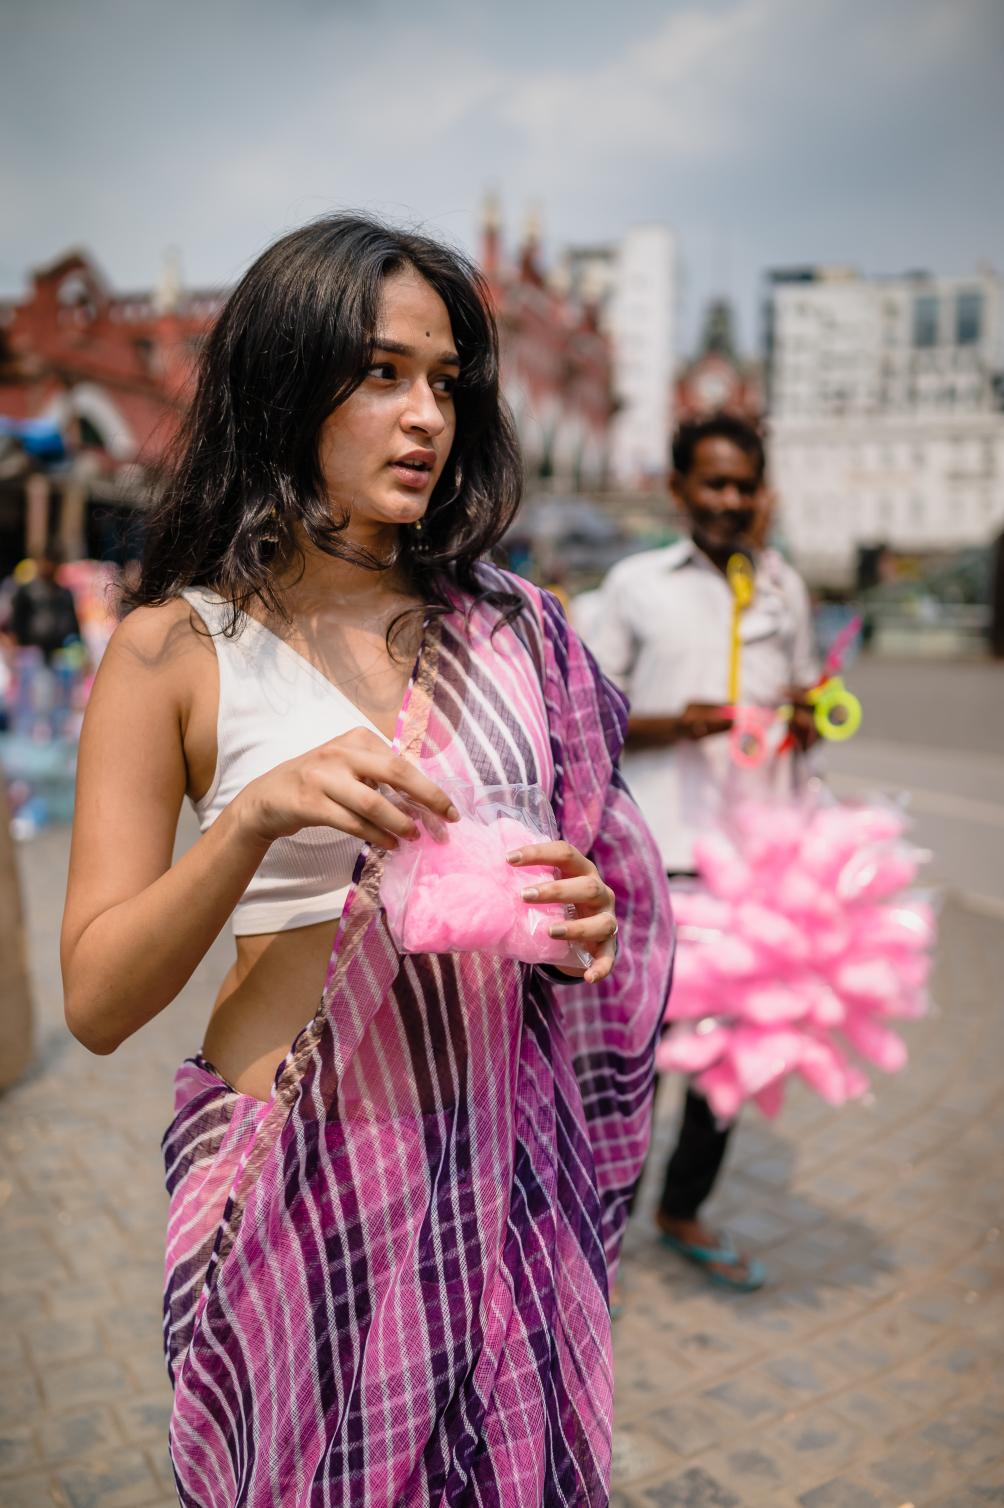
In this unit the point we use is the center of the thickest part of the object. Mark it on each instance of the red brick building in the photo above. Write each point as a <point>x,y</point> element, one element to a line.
<point>556,362</point>
<point>93,383</point>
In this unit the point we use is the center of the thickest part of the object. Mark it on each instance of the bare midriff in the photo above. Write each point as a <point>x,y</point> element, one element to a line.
<point>271,990</point>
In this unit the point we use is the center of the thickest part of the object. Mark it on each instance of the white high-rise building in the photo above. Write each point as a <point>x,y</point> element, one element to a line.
<point>634,285</point>
<point>886,420</point>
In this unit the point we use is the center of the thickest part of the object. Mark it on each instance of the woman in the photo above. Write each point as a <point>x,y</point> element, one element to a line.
<point>391,1220</point>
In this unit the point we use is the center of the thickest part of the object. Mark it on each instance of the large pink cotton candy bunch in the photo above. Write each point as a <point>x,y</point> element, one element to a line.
<point>796,954</point>
<point>455,892</point>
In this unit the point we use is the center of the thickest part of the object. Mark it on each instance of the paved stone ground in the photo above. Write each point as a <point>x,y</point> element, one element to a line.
<point>868,1373</point>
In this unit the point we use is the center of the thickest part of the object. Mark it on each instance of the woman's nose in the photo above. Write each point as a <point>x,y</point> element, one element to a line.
<point>423,411</point>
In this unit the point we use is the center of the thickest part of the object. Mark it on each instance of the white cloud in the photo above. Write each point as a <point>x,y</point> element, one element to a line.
<point>666,98</point>
<point>787,129</point>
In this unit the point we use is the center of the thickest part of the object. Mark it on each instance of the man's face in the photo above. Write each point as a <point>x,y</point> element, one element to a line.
<point>723,496</point>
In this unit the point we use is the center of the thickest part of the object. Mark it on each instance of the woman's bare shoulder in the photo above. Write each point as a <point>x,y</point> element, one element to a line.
<point>159,637</point>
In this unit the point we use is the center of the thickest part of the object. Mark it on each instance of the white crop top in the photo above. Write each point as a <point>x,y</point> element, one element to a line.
<point>275,705</point>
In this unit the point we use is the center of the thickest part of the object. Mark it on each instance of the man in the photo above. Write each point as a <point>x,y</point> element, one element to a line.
<point>661,627</point>
<point>43,613</point>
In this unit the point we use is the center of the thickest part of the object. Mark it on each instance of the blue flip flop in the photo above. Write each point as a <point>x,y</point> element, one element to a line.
<point>725,1252</point>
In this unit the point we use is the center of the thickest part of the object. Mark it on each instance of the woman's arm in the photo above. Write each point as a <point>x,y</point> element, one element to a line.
<point>136,926</point>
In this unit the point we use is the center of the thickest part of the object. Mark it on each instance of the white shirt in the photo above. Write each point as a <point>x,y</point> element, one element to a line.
<point>661,628</point>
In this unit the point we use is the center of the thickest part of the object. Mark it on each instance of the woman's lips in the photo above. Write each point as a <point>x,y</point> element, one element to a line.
<point>413,477</point>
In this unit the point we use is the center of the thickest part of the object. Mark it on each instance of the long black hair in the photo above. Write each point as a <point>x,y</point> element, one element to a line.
<point>292,342</point>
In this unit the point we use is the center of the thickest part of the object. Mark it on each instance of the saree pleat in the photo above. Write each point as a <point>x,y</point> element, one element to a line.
<point>388,1285</point>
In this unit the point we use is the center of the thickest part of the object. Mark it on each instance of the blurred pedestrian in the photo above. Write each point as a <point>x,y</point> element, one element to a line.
<point>43,614</point>
<point>997,598</point>
<point>391,1217</point>
<point>662,629</point>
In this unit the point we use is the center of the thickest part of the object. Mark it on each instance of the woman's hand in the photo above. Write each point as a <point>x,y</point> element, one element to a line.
<point>335,785</point>
<point>595,926</point>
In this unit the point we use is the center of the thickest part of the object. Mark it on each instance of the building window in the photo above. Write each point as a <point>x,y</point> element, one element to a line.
<point>917,511</point>
<point>925,320</point>
<point>968,317</point>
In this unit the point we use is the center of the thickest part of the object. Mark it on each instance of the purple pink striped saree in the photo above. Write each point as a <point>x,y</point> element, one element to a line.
<point>388,1285</point>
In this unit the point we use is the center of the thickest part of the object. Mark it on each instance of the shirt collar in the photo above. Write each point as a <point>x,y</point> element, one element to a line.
<point>678,554</point>
<point>684,552</point>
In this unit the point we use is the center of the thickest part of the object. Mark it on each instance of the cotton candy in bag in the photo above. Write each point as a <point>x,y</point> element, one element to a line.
<point>453,890</point>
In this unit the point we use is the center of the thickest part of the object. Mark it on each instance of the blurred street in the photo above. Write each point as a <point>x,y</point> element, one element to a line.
<point>868,1373</point>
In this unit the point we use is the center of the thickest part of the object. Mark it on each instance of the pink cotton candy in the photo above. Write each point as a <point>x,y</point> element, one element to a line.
<point>773,930</point>
<point>686,1051</point>
<point>876,1043</point>
<point>456,892</point>
<point>909,1007</point>
<point>717,859</point>
<point>825,1007</point>
<point>801,947</point>
<point>873,875</point>
<point>760,1057</point>
<point>693,908</point>
<point>800,896</point>
<point>448,913</point>
<point>734,957</point>
<point>770,1100</point>
<point>824,1069</point>
<point>722,1090</point>
<point>914,971</point>
<point>870,980</point>
<point>894,927</point>
<point>765,1004</point>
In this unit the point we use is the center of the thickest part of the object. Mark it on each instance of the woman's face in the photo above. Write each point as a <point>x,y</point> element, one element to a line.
<point>383,450</point>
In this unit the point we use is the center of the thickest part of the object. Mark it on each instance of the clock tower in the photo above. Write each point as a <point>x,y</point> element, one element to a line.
<point>718,380</point>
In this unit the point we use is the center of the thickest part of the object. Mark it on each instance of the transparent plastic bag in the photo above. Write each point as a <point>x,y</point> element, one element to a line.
<point>453,891</point>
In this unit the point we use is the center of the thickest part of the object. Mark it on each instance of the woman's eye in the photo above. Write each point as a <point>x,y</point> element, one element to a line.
<point>446,385</point>
<point>384,370</point>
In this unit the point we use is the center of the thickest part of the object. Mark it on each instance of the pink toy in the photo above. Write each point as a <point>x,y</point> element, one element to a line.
<point>453,891</point>
<point>797,954</point>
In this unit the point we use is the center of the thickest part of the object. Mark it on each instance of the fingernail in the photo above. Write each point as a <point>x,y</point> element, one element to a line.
<point>558,930</point>
<point>514,858</point>
<point>452,815</point>
<point>530,893</point>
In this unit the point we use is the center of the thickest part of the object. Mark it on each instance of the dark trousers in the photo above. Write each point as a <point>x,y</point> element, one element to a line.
<point>696,1161</point>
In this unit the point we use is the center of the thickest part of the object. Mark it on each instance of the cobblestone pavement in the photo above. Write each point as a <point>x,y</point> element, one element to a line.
<point>869,1372</point>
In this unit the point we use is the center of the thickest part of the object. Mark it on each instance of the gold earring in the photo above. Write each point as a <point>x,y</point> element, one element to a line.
<point>270,533</point>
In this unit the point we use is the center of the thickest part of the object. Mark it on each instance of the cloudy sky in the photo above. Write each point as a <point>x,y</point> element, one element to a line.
<point>764,131</point>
